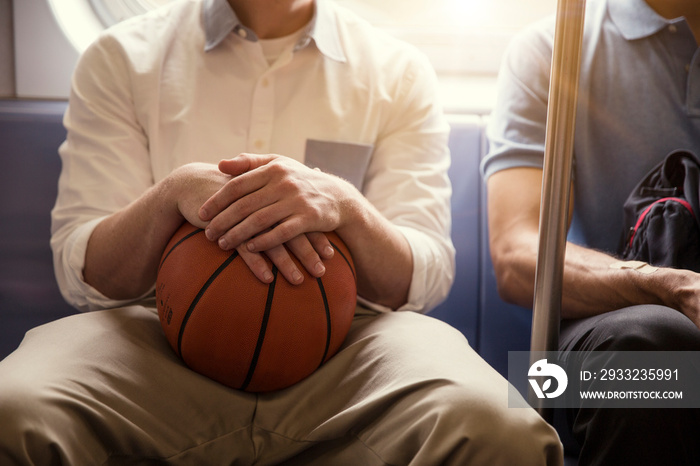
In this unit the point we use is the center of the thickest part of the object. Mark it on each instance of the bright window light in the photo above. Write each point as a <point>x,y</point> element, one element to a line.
<point>77,21</point>
<point>452,15</point>
<point>114,11</point>
<point>459,36</point>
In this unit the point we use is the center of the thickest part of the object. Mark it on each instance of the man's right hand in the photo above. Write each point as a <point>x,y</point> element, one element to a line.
<point>195,183</point>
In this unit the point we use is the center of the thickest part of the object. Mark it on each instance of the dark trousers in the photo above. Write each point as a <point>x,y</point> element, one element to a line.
<point>635,436</point>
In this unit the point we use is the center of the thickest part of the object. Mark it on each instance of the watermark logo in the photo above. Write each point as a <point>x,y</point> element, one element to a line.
<point>604,379</point>
<point>542,370</point>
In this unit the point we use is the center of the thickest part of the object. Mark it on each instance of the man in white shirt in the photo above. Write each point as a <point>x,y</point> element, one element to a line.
<point>159,100</point>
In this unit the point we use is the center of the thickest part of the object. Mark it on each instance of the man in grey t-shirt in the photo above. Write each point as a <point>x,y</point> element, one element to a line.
<point>639,99</point>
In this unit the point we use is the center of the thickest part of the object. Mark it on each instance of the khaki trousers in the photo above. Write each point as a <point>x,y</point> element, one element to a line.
<point>105,388</point>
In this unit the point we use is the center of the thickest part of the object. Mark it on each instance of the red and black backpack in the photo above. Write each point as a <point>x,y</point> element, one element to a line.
<point>661,215</point>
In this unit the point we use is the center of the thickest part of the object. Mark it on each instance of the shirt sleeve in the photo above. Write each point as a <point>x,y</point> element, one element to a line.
<point>516,127</point>
<point>105,165</point>
<point>407,182</point>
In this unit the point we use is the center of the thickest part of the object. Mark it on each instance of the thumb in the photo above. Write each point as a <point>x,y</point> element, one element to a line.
<point>244,163</point>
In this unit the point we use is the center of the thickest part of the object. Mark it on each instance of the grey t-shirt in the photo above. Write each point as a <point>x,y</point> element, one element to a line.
<point>639,99</point>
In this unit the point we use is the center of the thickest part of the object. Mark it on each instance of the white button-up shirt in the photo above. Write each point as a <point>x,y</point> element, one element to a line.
<point>188,83</point>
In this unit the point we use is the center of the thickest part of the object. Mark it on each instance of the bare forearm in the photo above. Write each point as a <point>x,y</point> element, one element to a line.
<point>594,283</point>
<point>381,254</point>
<point>124,249</point>
<point>590,285</point>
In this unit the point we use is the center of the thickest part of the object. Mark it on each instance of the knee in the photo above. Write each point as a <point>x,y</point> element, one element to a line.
<point>485,430</point>
<point>516,436</point>
<point>646,328</point>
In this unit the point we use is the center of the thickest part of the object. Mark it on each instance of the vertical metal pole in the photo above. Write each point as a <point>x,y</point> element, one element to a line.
<point>556,180</point>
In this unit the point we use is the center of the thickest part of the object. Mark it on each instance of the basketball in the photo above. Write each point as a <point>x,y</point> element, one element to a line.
<point>227,325</point>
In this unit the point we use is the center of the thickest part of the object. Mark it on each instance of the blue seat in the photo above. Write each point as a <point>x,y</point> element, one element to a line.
<point>473,306</point>
<point>30,133</point>
<point>461,308</point>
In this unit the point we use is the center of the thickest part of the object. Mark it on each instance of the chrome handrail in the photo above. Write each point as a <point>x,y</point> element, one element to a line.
<point>556,179</point>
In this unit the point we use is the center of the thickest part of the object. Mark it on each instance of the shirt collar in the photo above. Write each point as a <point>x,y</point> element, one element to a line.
<point>636,19</point>
<point>220,20</point>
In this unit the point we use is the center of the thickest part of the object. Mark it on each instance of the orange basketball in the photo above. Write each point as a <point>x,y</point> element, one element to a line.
<point>228,325</point>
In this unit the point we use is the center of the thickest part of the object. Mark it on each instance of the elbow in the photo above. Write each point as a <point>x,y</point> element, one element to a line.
<point>514,279</point>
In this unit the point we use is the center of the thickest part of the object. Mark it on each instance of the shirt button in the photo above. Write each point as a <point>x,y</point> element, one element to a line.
<point>242,32</point>
<point>673,29</point>
<point>259,144</point>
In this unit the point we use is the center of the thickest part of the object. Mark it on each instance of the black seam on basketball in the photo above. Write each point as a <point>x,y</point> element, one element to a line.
<point>328,319</point>
<point>199,295</point>
<point>345,258</point>
<point>189,235</point>
<point>263,329</point>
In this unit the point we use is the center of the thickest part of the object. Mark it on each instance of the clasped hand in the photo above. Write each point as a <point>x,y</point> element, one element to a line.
<point>272,205</point>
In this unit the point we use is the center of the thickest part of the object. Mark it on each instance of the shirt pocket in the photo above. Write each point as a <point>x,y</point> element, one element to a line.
<point>344,159</point>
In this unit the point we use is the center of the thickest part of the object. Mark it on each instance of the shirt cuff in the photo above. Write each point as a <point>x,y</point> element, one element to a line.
<point>417,294</point>
<point>433,273</point>
<point>72,283</point>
